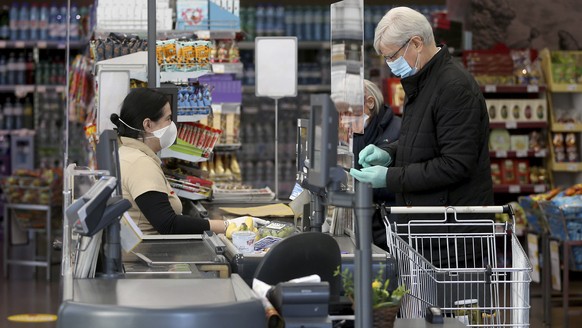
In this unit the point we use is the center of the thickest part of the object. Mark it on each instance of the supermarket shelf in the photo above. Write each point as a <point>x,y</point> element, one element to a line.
<point>19,132</point>
<point>17,44</point>
<point>227,68</point>
<point>181,76</point>
<point>189,195</point>
<point>227,147</point>
<point>563,87</point>
<point>250,45</point>
<point>517,154</point>
<point>30,88</point>
<point>567,127</point>
<point>191,118</point>
<point>517,189</point>
<point>169,153</point>
<point>300,88</point>
<point>492,88</point>
<point>168,34</point>
<point>518,125</point>
<point>567,167</point>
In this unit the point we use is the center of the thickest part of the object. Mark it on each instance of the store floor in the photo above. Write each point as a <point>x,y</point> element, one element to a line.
<point>26,291</point>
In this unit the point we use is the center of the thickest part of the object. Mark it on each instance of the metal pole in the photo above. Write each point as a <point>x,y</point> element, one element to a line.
<point>152,43</point>
<point>67,71</point>
<point>363,255</point>
<point>276,148</point>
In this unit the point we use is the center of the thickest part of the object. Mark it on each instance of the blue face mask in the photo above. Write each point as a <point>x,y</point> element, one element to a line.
<point>400,66</point>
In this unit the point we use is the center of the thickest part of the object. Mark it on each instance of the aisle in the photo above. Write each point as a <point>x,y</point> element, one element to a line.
<point>25,292</point>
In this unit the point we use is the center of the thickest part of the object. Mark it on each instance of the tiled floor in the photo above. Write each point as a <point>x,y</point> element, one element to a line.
<point>27,291</point>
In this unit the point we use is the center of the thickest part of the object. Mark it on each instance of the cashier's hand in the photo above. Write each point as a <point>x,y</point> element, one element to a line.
<point>376,175</point>
<point>242,219</point>
<point>372,155</point>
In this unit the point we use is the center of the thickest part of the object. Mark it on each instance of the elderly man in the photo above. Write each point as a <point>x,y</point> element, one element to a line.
<point>442,156</point>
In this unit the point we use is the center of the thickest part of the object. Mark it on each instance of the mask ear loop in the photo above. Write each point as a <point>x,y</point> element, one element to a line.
<point>131,127</point>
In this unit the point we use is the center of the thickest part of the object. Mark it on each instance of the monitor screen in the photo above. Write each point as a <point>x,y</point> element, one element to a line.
<point>323,139</point>
<point>108,155</point>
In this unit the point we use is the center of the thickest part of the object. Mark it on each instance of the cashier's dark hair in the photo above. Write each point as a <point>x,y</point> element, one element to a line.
<point>139,104</point>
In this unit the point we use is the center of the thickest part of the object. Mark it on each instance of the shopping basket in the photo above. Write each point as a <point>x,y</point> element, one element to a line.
<point>485,280</point>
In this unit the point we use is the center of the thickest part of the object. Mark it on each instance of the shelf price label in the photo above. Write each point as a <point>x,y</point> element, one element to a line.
<point>219,68</point>
<point>511,125</point>
<point>501,153</point>
<point>541,153</point>
<point>42,44</point>
<point>19,44</point>
<point>539,188</point>
<point>2,44</point>
<point>572,167</point>
<point>514,189</point>
<point>569,126</point>
<point>490,88</point>
<point>533,88</point>
<point>572,87</point>
<point>521,153</point>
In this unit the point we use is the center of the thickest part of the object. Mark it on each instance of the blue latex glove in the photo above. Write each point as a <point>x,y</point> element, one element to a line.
<point>372,155</point>
<point>376,175</point>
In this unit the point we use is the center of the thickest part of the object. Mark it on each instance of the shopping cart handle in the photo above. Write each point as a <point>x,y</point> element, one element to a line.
<point>448,209</point>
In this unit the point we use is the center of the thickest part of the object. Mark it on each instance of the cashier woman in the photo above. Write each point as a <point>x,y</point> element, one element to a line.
<point>145,126</point>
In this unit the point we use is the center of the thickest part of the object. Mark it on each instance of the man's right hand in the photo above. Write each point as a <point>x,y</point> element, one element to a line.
<point>371,155</point>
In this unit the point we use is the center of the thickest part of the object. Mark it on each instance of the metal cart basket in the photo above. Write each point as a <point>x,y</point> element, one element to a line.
<point>474,269</point>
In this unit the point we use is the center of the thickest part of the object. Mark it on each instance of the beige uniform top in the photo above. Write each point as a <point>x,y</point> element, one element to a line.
<point>141,172</point>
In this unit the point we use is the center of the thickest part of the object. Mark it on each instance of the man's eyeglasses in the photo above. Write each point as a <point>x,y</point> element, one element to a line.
<point>391,58</point>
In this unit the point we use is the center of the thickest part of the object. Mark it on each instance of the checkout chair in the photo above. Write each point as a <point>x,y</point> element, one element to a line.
<point>302,255</point>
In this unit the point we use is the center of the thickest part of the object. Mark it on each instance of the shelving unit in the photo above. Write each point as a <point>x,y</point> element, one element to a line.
<point>520,110</point>
<point>565,107</point>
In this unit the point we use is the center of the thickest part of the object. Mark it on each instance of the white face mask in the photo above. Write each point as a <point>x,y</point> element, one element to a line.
<point>365,117</point>
<point>167,135</point>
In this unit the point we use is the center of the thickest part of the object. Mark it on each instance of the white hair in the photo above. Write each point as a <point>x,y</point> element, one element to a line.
<point>374,91</point>
<point>399,25</point>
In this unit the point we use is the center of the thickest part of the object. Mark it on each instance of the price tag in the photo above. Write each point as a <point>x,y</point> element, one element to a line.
<point>42,44</point>
<point>511,125</point>
<point>61,46</point>
<point>219,68</point>
<point>572,167</point>
<point>572,87</point>
<point>541,153</point>
<point>41,88</point>
<point>521,153</point>
<point>2,44</point>
<point>19,44</point>
<point>514,189</point>
<point>203,34</point>
<point>533,88</point>
<point>501,153</point>
<point>569,126</point>
<point>539,188</point>
<point>490,88</point>
<point>22,90</point>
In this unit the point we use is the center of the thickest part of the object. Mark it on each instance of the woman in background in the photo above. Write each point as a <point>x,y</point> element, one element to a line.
<point>380,126</point>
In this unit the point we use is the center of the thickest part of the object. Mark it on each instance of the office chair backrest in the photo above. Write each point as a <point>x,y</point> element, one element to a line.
<point>301,255</point>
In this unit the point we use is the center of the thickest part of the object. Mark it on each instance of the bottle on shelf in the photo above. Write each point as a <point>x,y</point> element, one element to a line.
<point>2,70</point>
<point>33,22</point>
<point>28,118</point>
<point>53,27</point>
<point>23,22</point>
<point>8,118</point>
<point>5,23</point>
<point>1,124</point>
<point>62,23</point>
<point>43,22</point>
<point>13,18</point>
<point>11,70</point>
<point>17,112</point>
<point>20,70</point>
<point>74,27</point>
<point>29,68</point>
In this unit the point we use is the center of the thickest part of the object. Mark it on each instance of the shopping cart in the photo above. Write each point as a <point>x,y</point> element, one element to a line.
<point>473,269</point>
